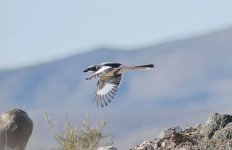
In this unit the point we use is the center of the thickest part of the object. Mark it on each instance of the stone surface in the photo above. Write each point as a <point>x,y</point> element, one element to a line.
<point>169,132</point>
<point>215,134</point>
<point>215,123</point>
<point>15,130</point>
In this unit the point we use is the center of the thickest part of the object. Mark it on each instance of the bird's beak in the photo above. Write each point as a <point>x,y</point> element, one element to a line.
<point>86,70</point>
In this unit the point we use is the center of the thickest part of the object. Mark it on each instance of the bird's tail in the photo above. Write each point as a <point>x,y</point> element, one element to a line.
<point>140,67</point>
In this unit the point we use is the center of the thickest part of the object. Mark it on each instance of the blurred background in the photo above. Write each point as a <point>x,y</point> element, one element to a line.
<point>46,45</point>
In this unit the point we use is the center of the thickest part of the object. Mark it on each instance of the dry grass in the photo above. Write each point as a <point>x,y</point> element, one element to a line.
<point>83,137</point>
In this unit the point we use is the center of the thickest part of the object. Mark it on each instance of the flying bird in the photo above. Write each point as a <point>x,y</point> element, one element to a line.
<point>109,77</point>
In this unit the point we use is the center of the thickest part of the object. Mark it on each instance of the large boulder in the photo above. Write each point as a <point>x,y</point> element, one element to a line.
<point>15,130</point>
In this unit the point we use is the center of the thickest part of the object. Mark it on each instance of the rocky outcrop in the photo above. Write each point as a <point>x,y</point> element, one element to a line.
<point>215,134</point>
<point>15,130</point>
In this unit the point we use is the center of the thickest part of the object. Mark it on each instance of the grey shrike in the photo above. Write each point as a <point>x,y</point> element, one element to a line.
<point>109,78</point>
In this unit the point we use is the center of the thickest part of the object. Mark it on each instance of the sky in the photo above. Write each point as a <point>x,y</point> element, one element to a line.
<point>38,31</point>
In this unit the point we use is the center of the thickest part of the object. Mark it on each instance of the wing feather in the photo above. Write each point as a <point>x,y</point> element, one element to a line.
<point>103,70</point>
<point>106,89</point>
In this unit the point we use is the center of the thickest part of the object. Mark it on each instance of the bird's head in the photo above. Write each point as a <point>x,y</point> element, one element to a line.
<point>92,68</point>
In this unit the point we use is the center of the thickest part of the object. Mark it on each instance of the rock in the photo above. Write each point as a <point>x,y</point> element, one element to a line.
<point>216,133</point>
<point>15,130</point>
<point>169,132</point>
<point>225,133</point>
<point>214,123</point>
<point>146,145</point>
<point>163,144</point>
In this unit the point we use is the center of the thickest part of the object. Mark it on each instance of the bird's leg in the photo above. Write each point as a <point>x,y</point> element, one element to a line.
<point>89,78</point>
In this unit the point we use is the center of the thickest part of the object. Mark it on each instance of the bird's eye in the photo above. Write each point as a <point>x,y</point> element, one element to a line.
<point>93,68</point>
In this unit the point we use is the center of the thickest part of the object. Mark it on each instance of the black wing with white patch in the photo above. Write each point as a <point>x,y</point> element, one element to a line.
<point>101,71</point>
<point>106,89</point>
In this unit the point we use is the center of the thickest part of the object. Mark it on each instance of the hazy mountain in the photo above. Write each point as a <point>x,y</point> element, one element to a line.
<point>192,79</point>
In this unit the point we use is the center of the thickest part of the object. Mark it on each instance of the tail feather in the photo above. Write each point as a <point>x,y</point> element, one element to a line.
<point>145,66</point>
<point>148,66</point>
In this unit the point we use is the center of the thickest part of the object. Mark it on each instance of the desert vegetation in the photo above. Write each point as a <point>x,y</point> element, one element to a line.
<point>16,129</point>
<point>85,136</point>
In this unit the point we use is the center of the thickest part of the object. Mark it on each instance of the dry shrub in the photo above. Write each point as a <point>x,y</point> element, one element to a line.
<point>84,137</point>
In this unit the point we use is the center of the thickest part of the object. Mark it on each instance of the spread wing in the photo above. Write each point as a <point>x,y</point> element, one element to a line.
<point>107,88</point>
<point>103,70</point>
